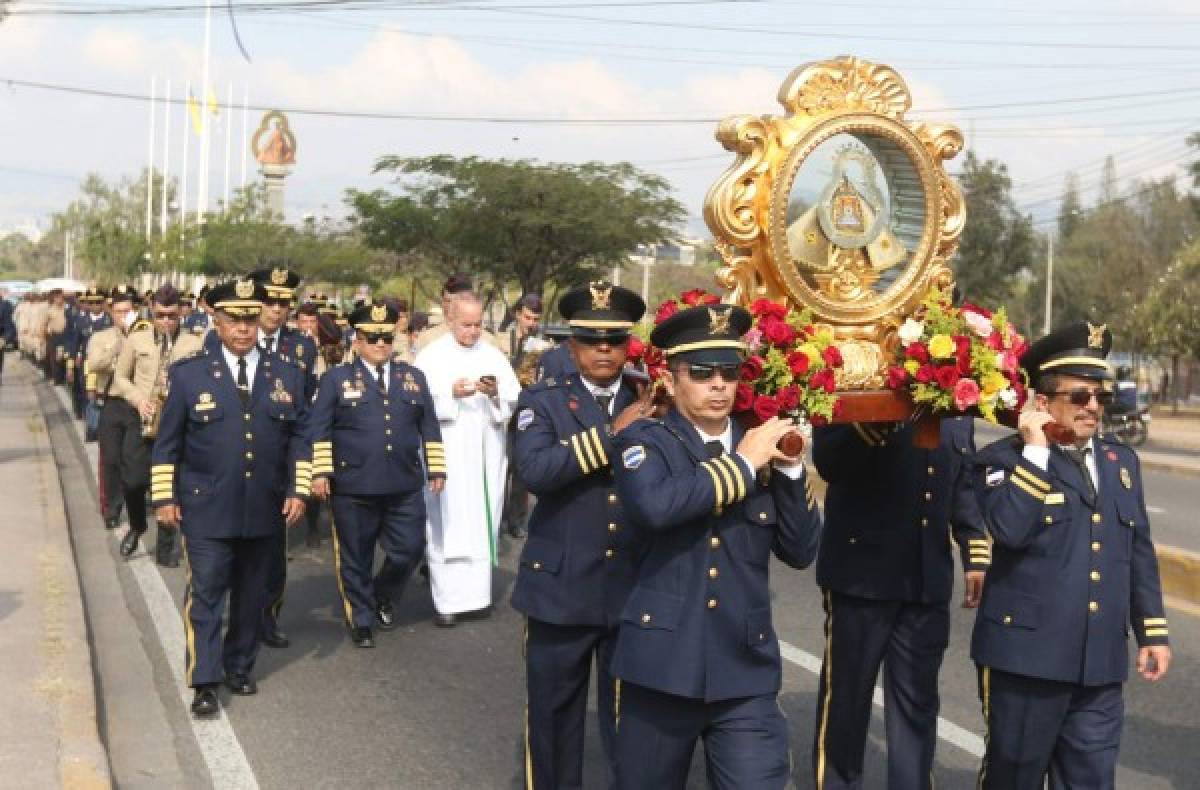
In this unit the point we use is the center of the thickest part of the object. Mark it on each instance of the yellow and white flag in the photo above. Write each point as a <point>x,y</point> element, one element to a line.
<point>195,113</point>
<point>212,104</point>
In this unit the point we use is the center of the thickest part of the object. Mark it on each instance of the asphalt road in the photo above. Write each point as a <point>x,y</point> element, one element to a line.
<point>443,708</point>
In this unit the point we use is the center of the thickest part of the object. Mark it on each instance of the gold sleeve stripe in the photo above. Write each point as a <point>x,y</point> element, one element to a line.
<point>168,475</point>
<point>1028,489</point>
<point>727,479</point>
<point>587,450</point>
<point>862,432</point>
<point>324,444</point>
<point>1149,621</point>
<point>720,492</point>
<point>1030,477</point>
<point>583,464</point>
<point>736,471</point>
<point>435,453</point>
<point>163,468</point>
<point>595,434</point>
<point>1156,632</point>
<point>433,445</point>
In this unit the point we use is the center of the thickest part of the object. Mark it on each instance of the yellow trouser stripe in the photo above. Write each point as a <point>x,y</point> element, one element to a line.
<point>823,728</point>
<point>986,682</point>
<point>337,569</point>
<point>187,613</point>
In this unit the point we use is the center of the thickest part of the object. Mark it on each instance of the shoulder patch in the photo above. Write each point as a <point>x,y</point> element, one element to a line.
<point>633,456</point>
<point>524,419</point>
<point>994,476</point>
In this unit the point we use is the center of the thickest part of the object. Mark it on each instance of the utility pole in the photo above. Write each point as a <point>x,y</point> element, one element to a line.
<point>1049,282</point>
<point>150,163</point>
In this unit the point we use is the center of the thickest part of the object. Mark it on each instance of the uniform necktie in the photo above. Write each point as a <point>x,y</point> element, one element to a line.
<point>243,383</point>
<point>381,378</point>
<point>715,448</point>
<point>1079,458</point>
<point>604,399</point>
<point>269,343</point>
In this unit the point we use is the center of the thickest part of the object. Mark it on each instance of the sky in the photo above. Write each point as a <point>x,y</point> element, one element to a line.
<point>1047,88</point>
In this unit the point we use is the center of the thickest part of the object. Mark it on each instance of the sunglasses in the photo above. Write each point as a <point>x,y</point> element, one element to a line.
<point>602,341</point>
<point>1082,396</point>
<point>706,372</point>
<point>166,316</point>
<point>374,337</point>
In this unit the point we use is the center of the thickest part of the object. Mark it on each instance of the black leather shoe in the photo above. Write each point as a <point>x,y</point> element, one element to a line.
<point>112,522</point>
<point>205,703</point>
<point>276,639</point>
<point>129,543</point>
<point>385,615</point>
<point>361,637</point>
<point>445,620</point>
<point>241,684</point>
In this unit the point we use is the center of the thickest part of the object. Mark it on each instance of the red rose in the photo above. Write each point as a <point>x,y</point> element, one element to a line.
<point>964,364</point>
<point>752,368</point>
<point>839,408</point>
<point>789,398</point>
<point>823,379</point>
<point>817,420</point>
<point>666,310</point>
<point>832,357</point>
<point>710,299</point>
<point>762,308</point>
<point>636,348</point>
<point>917,351</point>
<point>995,341</point>
<point>925,374</point>
<point>777,331</point>
<point>947,376</point>
<point>798,363</point>
<point>962,344</point>
<point>744,397</point>
<point>766,407</point>
<point>896,377</point>
<point>698,296</point>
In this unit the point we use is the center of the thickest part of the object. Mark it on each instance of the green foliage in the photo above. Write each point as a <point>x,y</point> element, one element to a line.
<point>505,221</point>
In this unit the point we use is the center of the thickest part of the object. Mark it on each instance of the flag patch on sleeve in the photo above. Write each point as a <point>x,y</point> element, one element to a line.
<point>633,457</point>
<point>994,477</point>
<point>524,419</point>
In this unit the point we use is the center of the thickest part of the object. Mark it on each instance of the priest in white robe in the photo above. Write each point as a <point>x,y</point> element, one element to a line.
<point>474,391</point>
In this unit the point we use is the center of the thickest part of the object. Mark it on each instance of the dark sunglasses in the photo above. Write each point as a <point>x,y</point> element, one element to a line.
<point>166,316</point>
<point>1081,396</point>
<point>602,341</point>
<point>706,372</point>
<point>374,337</point>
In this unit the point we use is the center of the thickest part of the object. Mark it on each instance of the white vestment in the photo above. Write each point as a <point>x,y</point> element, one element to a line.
<point>460,547</point>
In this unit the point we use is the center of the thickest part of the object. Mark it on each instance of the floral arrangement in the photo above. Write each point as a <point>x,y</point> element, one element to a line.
<point>791,367</point>
<point>958,359</point>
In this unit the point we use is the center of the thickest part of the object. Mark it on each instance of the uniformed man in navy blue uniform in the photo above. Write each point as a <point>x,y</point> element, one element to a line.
<point>199,321</point>
<point>274,336</point>
<point>887,573</point>
<point>696,653</point>
<point>580,557</point>
<point>1073,572</point>
<point>232,466</point>
<point>372,422</point>
<point>88,320</point>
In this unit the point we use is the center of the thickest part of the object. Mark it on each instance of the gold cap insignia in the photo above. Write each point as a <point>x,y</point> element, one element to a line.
<point>718,321</point>
<point>1096,335</point>
<point>1126,480</point>
<point>244,289</point>
<point>205,397</point>
<point>379,313</point>
<point>601,293</point>
<point>279,276</point>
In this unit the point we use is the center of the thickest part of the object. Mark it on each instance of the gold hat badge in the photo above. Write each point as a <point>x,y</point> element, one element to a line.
<point>279,276</point>
<point>244,289</point>
<point>601,293</point>
<point>718,321</point>
<point>379,313</point>
<point>1096,335</point>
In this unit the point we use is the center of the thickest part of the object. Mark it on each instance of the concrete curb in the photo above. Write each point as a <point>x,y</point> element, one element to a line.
<point>83,759</point>
<point>1191,470</point>
<point>1179,570</point>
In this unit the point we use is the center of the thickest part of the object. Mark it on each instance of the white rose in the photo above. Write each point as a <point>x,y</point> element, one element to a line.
<point>911,332</point>
<point>1008,398</point>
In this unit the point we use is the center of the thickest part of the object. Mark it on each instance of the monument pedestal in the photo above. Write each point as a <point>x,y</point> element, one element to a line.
<point>273,176</point>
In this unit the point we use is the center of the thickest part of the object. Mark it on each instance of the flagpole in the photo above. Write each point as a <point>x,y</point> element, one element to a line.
<point>245,141</point>
<point>150,163</point>
<point>205,137</point>
<point>228,142</point>
<point>187,136</point>
<point>166,160</point>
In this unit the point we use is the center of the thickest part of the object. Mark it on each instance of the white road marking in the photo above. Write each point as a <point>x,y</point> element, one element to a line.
<point>948,731</point>
<point>1156,510</point>
<point>223,753</point>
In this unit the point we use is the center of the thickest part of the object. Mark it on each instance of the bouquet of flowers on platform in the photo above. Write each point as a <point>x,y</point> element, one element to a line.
<point>960,359</point>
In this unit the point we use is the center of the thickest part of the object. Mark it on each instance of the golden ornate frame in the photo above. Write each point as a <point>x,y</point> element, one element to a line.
<point>746,207</point>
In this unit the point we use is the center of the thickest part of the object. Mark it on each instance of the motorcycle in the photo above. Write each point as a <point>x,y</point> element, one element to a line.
<point>1131,427</point>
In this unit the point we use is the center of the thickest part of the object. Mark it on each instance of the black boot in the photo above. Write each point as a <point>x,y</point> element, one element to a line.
<point>129,543</point>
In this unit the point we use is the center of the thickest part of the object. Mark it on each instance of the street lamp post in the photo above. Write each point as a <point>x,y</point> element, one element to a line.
<point>1049,283</point>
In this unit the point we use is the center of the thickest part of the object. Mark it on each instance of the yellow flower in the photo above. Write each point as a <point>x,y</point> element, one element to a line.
<point>993,383</point>
<point>912,366</point>
<point>814,355</point>
<point>941,347</point>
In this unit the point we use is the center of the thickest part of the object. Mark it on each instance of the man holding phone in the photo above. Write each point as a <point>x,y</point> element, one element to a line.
<point>1073,571</point>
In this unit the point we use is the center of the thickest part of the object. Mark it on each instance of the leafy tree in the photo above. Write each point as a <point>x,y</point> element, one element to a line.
<point>997,245</point>
<point>1071,207</point>
<point>505,220</point>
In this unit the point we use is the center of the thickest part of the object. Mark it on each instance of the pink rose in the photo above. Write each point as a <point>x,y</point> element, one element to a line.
<point>980,324</point>
<point>966,394</point>
<point>753,339</point>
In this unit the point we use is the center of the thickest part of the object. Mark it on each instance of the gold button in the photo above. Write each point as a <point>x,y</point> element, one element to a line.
<point>247,474</point>
<point>1049,519</point>
<point>246,417</point>
<point>928,496</point>
<point>385,401</point>
<point>537,566</point>
<point>1008,619</point>
<point>712,572</point>
<point>206,418</point>
<point>387,416</point>
<point>249,436</point>
<point>612,499</point>
<point>712,603</point>
<point>1096,518</point>
<point>762,516</point>
<point>609,554</point>
<point>924,522</point>
<point>1095,545</point>
<point>249,456</point>
<point>931,470</point>
<point>646,617</point>
<point>715,542</point>
<point>195,490</point>
<point>612,527</point>
<point>1095,576</point>
<point>388,448</point>
<point>387,431</point>
<point>853,541</point>
<point>1093,607</point>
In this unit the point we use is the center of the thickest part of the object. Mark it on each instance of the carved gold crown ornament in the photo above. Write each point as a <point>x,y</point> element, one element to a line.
<point>840,205</point>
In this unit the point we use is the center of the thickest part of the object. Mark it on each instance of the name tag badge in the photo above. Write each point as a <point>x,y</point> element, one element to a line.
<point>1056,498</point>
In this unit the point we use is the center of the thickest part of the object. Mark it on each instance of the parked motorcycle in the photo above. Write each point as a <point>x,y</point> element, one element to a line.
<point>1131,427</point>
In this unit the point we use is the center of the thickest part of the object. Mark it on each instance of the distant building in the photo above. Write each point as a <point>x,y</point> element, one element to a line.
<point>681,252</point>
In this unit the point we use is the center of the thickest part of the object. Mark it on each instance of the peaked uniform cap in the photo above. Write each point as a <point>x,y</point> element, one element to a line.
<point>279,281</point>
<point>601,310</point>
<point>705,335</point>
<point>238,298</point>
<point>1079,349</point>
<point>378,316</point>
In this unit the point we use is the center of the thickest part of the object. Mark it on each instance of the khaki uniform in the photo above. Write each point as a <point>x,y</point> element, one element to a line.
<point>139,365</point>
<point>102,352</point>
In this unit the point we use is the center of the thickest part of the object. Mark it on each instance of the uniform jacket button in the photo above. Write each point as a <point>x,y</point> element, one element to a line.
<point>1008,619</point>
<point>1097,518</point>
<point>537,566</point>
<point>712,603</point>
<point>1093,607</point>
<point>715,542</point>
<point>646,617</point>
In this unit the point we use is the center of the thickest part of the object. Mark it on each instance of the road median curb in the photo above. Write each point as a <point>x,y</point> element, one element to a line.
<point>1179,570</point>
<point>1192,470</point>
<point>83,758</point>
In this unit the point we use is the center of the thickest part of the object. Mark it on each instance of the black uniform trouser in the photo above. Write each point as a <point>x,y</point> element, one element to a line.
<point>516,500</point>
<point>396,522</point>
<point>745,741</point>
<point>275,582</point>
<point>56,368</point>
<point>908,640</point>
<point>216,567</point>
<point>125,461</point>
<point>558,662</point>
<point>1045,728</point>
<point>78,393</point>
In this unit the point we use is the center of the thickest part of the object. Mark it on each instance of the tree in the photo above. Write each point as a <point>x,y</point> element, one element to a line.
<point>516,220</point>
<point>997,245</point>
<point>1070,209</point>
<point>1108,181</point>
